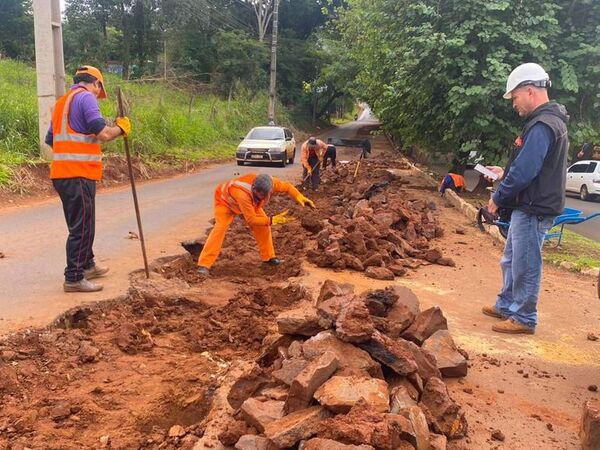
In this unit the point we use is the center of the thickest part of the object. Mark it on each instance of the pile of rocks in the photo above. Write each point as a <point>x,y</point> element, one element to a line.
<point>353,372</point>
<point>375,228</point>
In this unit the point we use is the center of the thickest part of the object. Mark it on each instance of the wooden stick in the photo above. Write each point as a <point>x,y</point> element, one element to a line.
<point>133,190</point>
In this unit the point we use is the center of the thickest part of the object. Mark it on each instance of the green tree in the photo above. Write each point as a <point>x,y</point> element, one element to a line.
<point>16,29</point>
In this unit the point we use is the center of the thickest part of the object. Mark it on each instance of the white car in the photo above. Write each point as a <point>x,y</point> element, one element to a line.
<point>267,145</point>
<point>583,177</point>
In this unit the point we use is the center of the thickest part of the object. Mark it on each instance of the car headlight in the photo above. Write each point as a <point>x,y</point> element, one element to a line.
<point>242,150</point>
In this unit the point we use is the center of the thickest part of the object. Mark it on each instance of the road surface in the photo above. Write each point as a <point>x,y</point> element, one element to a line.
<point>33,237</point>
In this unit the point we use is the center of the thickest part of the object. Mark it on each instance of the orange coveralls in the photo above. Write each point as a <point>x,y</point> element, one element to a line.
<point>233,198</point>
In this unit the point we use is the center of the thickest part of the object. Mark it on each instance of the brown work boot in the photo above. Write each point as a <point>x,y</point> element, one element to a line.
<point>82,285</point>
<point>95,271</point>
<point>511,326</point>
<point>493,312</point>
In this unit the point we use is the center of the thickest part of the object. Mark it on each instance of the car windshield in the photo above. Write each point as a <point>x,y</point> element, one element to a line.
<point>267,134</point>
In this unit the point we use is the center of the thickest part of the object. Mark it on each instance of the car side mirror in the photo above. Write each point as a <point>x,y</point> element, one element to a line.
<point>288,138</point>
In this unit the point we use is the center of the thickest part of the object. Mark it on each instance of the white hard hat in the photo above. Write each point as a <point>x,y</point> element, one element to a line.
<point>526,74</point>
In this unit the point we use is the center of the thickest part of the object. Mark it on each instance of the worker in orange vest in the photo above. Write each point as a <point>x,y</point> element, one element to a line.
<point>75,135</point>
<point>311,156</point>
<point>452,181</point>
<point>247,195</point>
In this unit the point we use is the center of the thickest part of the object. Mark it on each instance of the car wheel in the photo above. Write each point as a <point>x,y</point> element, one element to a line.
<point>583,193</point>
<point>291,160</point>
<point>240,163</point>
<point>282,162</point>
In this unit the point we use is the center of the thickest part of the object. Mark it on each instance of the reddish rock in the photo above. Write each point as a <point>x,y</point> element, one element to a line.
<point>348,355</point>
<point>419,435</point>
<point>230,433</point>
<point>441,411</point>
<point>353,262</point>
<point>375,260</point>
<point>363,209</point>
<point>354,324</point>
<point>388,352</point>
<point>340,394</point>
<point>400,398</point>
<point>330,309</point>
<point>397,270</point>
<point>449,360</point>
<point>379,273</point>
<point>437,441</point>
<point>251,442</point>
<point>302,320</point>
<point>425,324</point>
<point>290,368</point>
<point>88,353</point>
<point>246,386</point>
<point>295,349</point>
<point>331,289</point>
<point>431,255</point>
<point>311,223</point>
<point>308,381</point>
<point>589,430</point>
<point>333,252</point>
<point>426,364</point>
<point>446,262</point>
<point>271,344</point>
<point>380,301</point>
<point>279,393</point>
<point>328,444</point>
<point>355,242</point>
<point>296,426</point>
<point>258,414</point>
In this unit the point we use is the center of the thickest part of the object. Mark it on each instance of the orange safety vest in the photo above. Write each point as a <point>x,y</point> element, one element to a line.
<point>223,193</point>
<point>74,154</point>
<point>459,180</point>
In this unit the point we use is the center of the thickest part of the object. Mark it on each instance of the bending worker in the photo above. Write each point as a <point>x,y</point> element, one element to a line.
<point>311,156</point>
<point>75,135</point>
<point>452,181</point>
<point>247,195</point>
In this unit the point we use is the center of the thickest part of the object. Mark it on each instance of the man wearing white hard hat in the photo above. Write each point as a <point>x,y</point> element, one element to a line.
<point>533,187</point>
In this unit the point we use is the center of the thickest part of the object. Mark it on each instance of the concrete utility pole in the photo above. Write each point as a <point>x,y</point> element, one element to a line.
<point>49,62</point>
<point>273,63</point>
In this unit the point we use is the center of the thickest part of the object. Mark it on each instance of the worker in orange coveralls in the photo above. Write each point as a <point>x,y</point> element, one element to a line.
<point>247,195</point>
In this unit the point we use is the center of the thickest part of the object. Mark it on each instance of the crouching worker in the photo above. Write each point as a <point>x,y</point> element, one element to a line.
<point>247,195</point>
<point>452,181</point>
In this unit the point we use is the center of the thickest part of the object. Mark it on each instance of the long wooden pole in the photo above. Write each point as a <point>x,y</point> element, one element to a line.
<point>133,190</point>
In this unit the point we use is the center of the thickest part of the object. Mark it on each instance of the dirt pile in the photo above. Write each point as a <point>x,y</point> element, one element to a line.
<point>355,372</point>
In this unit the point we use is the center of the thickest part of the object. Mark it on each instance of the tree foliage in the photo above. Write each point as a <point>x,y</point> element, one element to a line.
<point>434,71</point>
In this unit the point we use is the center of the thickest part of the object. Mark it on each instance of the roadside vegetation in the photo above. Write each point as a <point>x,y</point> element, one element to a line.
<point>576,252</point>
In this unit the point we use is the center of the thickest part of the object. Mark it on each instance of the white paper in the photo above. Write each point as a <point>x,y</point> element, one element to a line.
<point>487,172</point>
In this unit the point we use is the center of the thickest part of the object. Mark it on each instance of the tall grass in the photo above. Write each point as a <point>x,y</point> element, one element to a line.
<point>165,128</point>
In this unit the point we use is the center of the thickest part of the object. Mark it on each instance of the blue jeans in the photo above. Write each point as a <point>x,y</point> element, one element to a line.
<point>522,267</point>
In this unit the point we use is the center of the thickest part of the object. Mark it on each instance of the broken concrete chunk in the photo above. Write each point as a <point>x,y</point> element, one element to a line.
<point>448,359</point>
<point>340,394</point>
<point>354,323</point>
<point>331,289</point>
<point>388,352</point>
<point>302,320</point>
<point>401,398</point>
<point>441,411</point>
<point>258,414</point>
<point>290,368</point>
<point>308,381</point>
<point>425,324</point>
<point>379,273</point>
<point>328,444</point>
<point>589,431</point>
<point>296,426</point>
<point>348,355</point>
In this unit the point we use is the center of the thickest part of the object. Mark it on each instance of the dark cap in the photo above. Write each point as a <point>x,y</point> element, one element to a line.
<point>312,140</point>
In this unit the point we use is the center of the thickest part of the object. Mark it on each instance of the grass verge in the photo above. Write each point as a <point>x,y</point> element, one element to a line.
<point>577,251</point>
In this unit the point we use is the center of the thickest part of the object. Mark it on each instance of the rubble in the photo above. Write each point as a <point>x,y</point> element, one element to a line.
<point>425,324</point>
<point>296,426</point>
<point>339,394</point>
<point>449,360</point>
<point>258,414</point>
<point>589,430</point>
<point>441,411</point>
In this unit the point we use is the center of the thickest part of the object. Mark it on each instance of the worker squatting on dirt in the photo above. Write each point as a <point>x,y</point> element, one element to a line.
<point>247,195</point>
<point>311,157</point>
<point>533,186</point>
<point>75,135</point>
<point>452,181</point>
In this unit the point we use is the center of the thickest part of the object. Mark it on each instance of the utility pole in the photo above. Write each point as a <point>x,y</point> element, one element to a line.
<point>273,63</point>
<point>49,63</point>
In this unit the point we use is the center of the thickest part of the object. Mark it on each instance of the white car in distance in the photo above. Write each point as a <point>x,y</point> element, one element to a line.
<point>583,177</point>
<point>273,145</point>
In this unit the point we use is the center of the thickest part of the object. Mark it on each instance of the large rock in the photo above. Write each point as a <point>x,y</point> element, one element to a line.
<point>259,414</point>
<point>401,398</point>
<point>437,441</point>
<point>348,355</point>
<point>589,431</point>
<point>340,394</point>
<point>295,427</point>
<point>375,260</point>
<point>328,444</point>
<point>330,309</point>
<point>419,430</point>
<point>252,442</point>
<point>354,323</point>
<point>425,324</point>
<point>449,360</point>
<point>290,368</point>
<point>355,242</point>
<point>331,289</point>
<point>302,320</point>
<point>353,262</point>
<point>390,353</point>
<point>441,411</point>
<point>380,301</point>
<point>308,381</point>
<point>426,364</point>
<point>246,386</point>
<point>363,209</point>
<point>379,273</point>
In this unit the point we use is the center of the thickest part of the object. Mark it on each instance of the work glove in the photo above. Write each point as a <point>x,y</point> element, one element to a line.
<point>282,218</point>
<point>124,124</point>
<point>304,201</point>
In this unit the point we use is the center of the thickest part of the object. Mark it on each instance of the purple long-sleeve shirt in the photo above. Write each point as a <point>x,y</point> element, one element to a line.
<point>84,115</point>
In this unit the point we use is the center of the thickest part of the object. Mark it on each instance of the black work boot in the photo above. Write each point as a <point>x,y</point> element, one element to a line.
<point>273,262</point>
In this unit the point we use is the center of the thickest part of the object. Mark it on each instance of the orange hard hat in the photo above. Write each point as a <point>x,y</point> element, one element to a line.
<point>91,70</point>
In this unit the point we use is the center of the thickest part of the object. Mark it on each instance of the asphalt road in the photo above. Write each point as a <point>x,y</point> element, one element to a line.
<point>32,237</point>
<point>589,229</point>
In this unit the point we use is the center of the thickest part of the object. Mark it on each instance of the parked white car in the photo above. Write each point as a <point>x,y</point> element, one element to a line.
<point>267,145</point>
<point>583,177</point>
